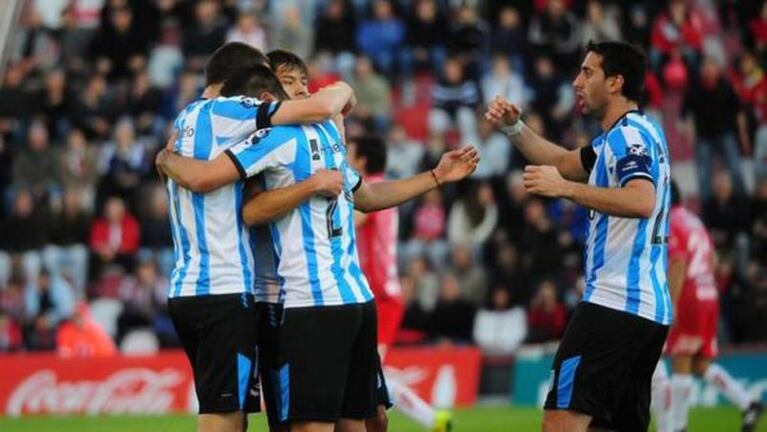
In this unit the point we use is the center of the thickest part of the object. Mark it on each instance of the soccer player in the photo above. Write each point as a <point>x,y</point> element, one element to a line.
<point>211,299</point>
<point>605,361</point>
<point>377,246</point>
<point>327,349</point>
<point>692,339</point>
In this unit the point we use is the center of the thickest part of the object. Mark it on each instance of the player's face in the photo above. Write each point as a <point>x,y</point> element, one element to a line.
<point>294,82</point>
<point>591,85</point>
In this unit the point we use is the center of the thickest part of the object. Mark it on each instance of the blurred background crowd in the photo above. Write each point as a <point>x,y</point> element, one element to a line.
<point>91,87</point>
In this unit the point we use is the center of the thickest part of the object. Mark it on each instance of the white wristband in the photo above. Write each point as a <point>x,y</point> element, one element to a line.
<point>514,129</point>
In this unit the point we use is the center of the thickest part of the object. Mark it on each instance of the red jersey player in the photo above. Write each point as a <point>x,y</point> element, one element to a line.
<point>692,340</point>
<point>377,247</point>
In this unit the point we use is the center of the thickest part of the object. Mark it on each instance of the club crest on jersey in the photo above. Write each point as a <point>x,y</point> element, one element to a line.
<point>259,135</point>
<point>637,149</point>
<point>249,102</point>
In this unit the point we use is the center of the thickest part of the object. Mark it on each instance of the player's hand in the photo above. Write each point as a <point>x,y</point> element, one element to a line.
<point>501,112</point>
<point>328,183</point>
<point>349,107</point>
<point>544,180</point>
<point>457,164</point>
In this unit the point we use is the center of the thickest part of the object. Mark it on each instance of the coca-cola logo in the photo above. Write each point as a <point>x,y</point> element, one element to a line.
<point>136,390</point>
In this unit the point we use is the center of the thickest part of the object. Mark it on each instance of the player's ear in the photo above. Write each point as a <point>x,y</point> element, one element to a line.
<point>266,97</point>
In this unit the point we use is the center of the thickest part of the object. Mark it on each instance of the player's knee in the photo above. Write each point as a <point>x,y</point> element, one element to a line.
<point>561,420</point>
<point>379,422</point>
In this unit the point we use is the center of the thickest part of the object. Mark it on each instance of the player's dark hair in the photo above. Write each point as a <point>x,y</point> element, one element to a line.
<point>283,58</point>
<point>252,81</point>
<point>229,58</point>
<point>625,59</point>
<point>373,149</point>
<point>676,197</point>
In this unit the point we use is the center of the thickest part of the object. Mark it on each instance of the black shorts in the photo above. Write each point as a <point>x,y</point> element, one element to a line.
<point>218,333</point>
<point>382,390</point>
<point>328,364</point>
<point>269,325</point>
<point>604,366</point>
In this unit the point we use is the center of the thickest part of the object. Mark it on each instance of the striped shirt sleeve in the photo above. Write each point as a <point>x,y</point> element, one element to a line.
<point>265,149</point>
<point>632,155</point>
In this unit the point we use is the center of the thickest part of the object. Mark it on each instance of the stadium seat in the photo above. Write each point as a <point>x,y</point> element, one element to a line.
<point>140,342</point>
<point>105,312</point>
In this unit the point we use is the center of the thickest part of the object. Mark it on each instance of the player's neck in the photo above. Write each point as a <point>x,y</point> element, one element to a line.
<point>212,91</point>
<point>615,110</point>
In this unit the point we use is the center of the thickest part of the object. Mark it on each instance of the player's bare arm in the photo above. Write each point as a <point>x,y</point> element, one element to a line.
<point>635,200</point>
<point>328,102</point>
<point>263,206</point>
<point>538,150</point>
<point>677,269</point>
<point>453,166</point>
<point>205,176</point>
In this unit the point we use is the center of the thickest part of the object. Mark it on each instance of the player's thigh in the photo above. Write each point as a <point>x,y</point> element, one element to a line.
<point>594,361</point>
<point>361,393</point>
<point>221,422</point>
<point>564,420</point>
<point>315,354</point>
<point>633,414</point>
<point>681,364</point>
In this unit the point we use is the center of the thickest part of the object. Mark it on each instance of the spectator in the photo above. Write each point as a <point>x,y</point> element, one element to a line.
<point>429,230</point>
<point>66,254</point>
<point>453,317</point>
<point>165,58</point>
<point>380,37</point>
<point>49,300</point>
<point>114,238</point>
<point>509,40</point>
<point>32,167</point>
<point>425,49</point>
<point>507,272</point>
<point>759,221</point>
<point>121,47</point>
<point>34,44</point>
<point>513,210</point>
<point>600,25</point>
<point>55,102</point>
<point>372,92</point>
<point>22,238</point>
<point>758,29</point>
<point>124,162</point>
<point>73,40</point>
<point>715,120</point>
<point>503,81</point>
<point>500,328</point>
<point>415,320</point>
<point>205,35</point>
<point>727,215</point>
<point>554,97</point>
<point>13,301</point>
<point>145,104</point>
<point>750,83</point>
<point>292,35</point>
<point>470,275</point>
<point>556,33</point>
<point>331,34</point>
<point>542,256</point>
<point>425,283</point>
<point>144,296</point>
<point>11,339</point>
<point>248,31</point>
<point>78,166</point>
<point>468,41</point>
<point>83,337</point>
<point>405,155</point>
<point>473,217</point>
<point>547,317</point>
<point>676,30</point>
<point>156,241</point>
<point>93,112</point>
<point>494,150</point>
<point>455,99</point>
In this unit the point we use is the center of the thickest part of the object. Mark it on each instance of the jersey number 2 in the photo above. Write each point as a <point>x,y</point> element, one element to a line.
<point>329,212</point>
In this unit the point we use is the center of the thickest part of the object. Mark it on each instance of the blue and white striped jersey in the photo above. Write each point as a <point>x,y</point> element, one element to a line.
<point>213,248</point>
<point>315,243</point>
<point>625,259</point>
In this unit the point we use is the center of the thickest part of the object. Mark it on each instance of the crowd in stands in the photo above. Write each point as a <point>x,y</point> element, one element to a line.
<point>92,86</point>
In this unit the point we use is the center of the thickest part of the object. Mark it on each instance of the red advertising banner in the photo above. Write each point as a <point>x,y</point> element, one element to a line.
<point>445,377</point>
<point>46,384</point>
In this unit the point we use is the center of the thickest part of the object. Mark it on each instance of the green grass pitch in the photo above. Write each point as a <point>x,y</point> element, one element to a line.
<point>479,419</point>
